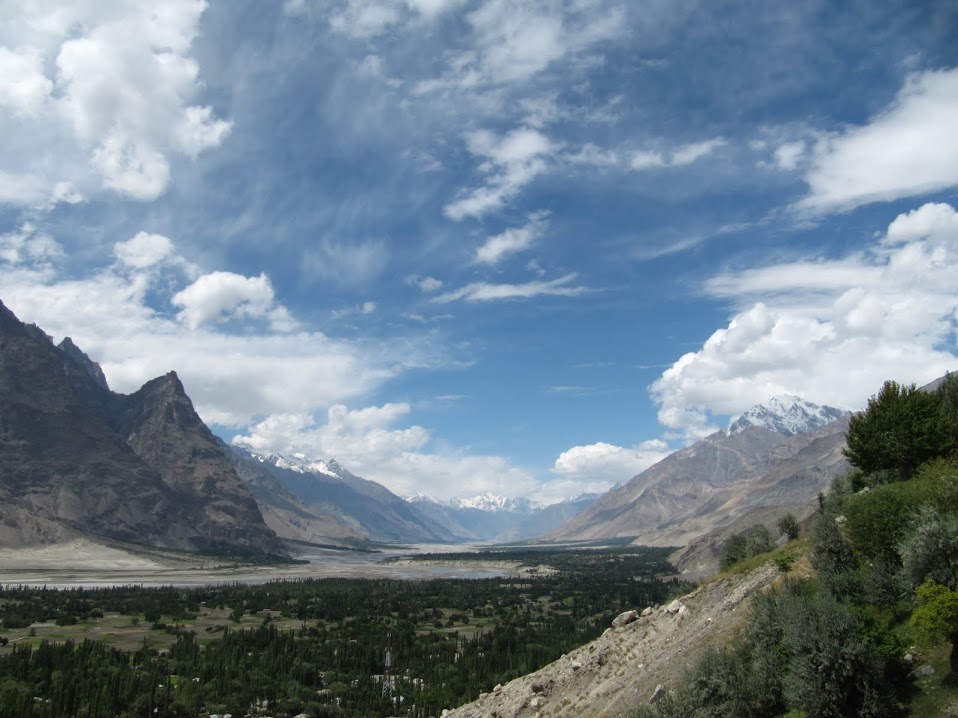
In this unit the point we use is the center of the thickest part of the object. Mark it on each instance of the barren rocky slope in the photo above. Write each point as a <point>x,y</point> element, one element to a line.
<point>621,669</point>
<point>77,459</point>
<point>715,483</point>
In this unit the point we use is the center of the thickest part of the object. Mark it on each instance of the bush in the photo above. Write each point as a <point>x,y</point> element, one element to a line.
<point>930,549</point>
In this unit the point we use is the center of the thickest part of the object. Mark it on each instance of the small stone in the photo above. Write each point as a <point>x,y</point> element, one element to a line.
<point>657,694</point>
<point>925,670</point>
<point>647,611</point>
<point>909,658</point>
<point>675,606</point>
<point>576,665</point>
<point>498,688</point>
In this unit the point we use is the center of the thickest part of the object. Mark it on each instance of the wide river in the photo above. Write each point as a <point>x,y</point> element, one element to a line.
<point>88,565</point>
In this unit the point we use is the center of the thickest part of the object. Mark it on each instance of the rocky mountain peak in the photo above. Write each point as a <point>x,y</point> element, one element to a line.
<point>80,358</point>
<point>76,458</point>
<point>788,415</point>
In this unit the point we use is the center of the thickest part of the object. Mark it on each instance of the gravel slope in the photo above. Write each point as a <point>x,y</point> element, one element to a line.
<point>621,669</point>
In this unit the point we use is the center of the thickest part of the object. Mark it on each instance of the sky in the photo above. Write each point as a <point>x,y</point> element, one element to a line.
<point>520,246</point>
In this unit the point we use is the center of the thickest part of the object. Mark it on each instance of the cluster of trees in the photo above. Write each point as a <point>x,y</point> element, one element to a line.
<point>885,550</point>
<point>489,631</point>
<point>756,540</point>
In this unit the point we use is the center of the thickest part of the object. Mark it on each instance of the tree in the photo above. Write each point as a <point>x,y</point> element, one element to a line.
<point>742,545</point>
<point>788,526</point>
<point>901,428</point>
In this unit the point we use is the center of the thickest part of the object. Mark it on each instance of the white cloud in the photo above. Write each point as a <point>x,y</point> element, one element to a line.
<point>220,296</point>
<point>789,155</point>
<point>909,149</point>
<point>512,42</point>
<point>426,284</point>
<point>687,154</point>
<point>680,156</point>
<point>109,91</point>
<point>24,89</point>
<point>26,245</point>
<point>368,443</point>
<point>512,240</point>
<point>830,331</point>
<point>602,462</point>
<point>232,372</point>
<point>511,161</point>
<point>484,292</point>
<point>143,250</point>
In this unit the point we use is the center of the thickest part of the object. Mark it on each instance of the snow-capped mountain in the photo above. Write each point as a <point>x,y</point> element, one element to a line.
<point>787,415</point>
<point>498,518</point>
<point>490,502</point>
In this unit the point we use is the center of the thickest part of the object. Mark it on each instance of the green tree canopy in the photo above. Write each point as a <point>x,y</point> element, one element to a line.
<point>901,428</point>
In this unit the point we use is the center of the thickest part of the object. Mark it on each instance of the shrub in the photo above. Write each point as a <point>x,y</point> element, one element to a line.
<point>788,527</point>
<point>930,549</point>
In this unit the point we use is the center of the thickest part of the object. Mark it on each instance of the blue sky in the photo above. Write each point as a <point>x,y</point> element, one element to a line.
<point>527,247</point>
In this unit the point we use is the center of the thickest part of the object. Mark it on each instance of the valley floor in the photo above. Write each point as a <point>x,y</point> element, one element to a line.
<point>89,564</point>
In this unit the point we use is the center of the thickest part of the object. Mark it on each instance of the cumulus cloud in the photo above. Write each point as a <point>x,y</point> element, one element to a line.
<point>250,367</point>
<point>512,240</point>
<point>828,330</point>
<point>220,296</point>
<point>24,89</point>
<point>485,292</point>
<point>909,149</point>
<point>143,250</point>
<point>510,162</point>
<point>369,443</point>
<point>109,91</point>
<point>602,462</point>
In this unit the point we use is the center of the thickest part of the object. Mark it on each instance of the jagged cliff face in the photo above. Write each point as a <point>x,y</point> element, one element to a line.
<point>77,458</point>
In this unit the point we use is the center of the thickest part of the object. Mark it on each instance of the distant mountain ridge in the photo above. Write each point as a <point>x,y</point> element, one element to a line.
<point>498,518</point>
<point>366,506</point>
<point>773,459</point>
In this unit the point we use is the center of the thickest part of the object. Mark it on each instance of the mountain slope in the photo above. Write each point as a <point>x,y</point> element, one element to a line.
<point>612,675</point>
<point>721,479</point>
<point>367,506</point>
<point>67,469</point>
<point>289,517</point>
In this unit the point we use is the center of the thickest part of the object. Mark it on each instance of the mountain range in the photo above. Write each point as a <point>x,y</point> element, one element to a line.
<point>78,458</point>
